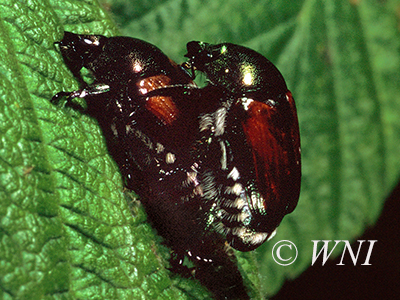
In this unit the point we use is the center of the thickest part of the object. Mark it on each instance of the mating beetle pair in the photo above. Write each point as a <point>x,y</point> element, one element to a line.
<point>212,165</point>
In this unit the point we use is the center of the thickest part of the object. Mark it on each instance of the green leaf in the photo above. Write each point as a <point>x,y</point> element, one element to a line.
<point>66,228</point>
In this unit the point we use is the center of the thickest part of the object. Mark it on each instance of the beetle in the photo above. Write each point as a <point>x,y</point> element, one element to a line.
<point>151,115</point>
<point>258,126</point>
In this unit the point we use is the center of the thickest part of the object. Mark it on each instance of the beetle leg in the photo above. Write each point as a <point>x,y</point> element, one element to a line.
<point>189,66</point>
<point>176,262</point>
<point>82,93</point>
<point>173,90</point>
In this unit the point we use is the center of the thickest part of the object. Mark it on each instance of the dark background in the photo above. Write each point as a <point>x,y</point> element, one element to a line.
<point>381,280</point>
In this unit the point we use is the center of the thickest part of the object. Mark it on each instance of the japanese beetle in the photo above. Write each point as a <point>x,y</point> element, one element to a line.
<point>150,113</point>
<point>259,129</point>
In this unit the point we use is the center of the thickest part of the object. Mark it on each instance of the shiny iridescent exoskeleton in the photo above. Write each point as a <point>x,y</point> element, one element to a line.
<point>159,128</point>
<point>256,132</point>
